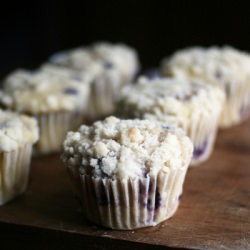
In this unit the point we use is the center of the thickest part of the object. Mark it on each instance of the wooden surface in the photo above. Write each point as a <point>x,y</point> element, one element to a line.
<point>214,212</point>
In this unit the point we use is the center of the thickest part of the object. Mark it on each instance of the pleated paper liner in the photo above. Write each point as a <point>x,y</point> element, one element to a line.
<point>133,203</point>
<point>14,172</point>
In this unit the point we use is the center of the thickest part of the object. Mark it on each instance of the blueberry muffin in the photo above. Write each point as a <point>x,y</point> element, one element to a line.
<point>58,103</point>
<point>225,67</point>
<point>18,133</point>
<point>129,173</point>
<point>111,65</point>
<point>189,104</point>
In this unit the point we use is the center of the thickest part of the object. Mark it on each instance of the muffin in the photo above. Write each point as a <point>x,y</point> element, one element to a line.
<point>225,67</point>
<point>18,133</point>
<point>112,66</point>
<point>58,103</point>
<point>189,104</point>
<point>129,173</point>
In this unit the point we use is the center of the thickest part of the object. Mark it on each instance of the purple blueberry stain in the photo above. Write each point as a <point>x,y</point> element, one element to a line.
<point>157,202</point>
<point>107,65</point>
<point>153,204</point>
<point>179,197</point>
<point>146,194</point>
<point>142,194</point>
<point>167,127</point>
<point>142,189</point>
<point>218,74</point>
<point>150,187</point>
<point>198,151</point>
<point>99,162</point>
<point>70,91</point>
<point>149,204</point>
<point>157,199</point>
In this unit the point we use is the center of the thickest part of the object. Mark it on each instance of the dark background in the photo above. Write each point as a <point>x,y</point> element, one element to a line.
<point>33,30</point>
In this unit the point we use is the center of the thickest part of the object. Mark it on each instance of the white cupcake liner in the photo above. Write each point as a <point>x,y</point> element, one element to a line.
<point>202,131</point>
<point>237,105</point>
<point>14,172</point>
<point>53,128</point>
<point>133,203</point>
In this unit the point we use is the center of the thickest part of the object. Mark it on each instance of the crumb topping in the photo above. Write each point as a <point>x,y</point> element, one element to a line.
<point>40,91</point>
<point>101,57</point>
<point>16,130</point>
<point>169,97</point>
<point>220,65</point>
<point>122,149</point>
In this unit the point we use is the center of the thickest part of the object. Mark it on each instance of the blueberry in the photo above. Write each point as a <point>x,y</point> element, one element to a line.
<point>107,65</point>
<point>165,126</point>
<point>151,186</point>
<point>179,197</point>
<point>142,189</point>
<point>99,161</point>
<point>157,199</point>
<point>142,194</point>
<point>200,150</point>
<point>70,91</point>
<point>149,205</point>
<point>218,74</point>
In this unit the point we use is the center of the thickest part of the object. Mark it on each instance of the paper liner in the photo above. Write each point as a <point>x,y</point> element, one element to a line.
<point>53,128</point>
<point>133,203</point>
<point>237,105</point>
<point>202,131</point>
<point>14,172</point>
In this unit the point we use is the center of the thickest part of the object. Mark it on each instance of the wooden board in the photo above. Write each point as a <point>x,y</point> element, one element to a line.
<point>214,212</point>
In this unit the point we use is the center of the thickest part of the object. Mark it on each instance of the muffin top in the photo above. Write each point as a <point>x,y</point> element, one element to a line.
<point>170,97</point>
<point>66,72</point>
<point>122,149</point>
<point>41,92</point>
<point>99,57</point>
<point>16,130</point>
<point>221,65</point>
<point>111,77</point>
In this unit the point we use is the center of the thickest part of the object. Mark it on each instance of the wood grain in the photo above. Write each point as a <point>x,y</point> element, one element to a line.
<point>214,212</point>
